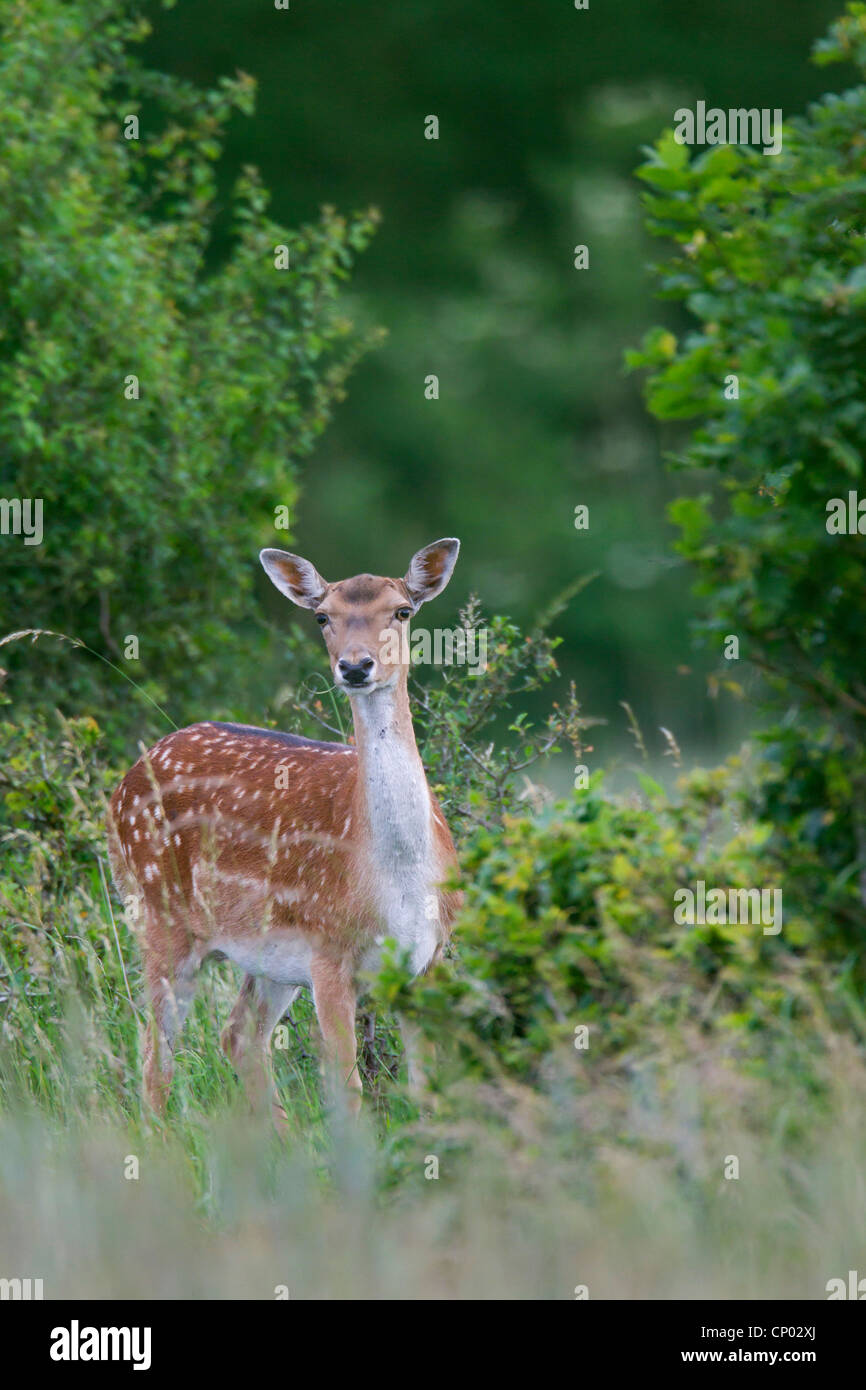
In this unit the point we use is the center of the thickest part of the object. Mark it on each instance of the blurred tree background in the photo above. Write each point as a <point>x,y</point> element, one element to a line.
<point>542,113</point>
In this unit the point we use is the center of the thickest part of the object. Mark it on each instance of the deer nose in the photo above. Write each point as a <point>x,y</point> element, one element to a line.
<point>356,672</point>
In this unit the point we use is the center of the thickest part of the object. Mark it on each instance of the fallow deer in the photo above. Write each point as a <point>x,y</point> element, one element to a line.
<point>293,858</point>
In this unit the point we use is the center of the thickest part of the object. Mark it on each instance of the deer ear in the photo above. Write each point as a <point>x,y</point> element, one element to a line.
<point>430,570</point>
<point>296,578</point>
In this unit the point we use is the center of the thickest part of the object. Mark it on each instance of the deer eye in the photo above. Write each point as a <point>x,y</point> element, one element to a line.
<point>403,614</point>
<point>321,619</point>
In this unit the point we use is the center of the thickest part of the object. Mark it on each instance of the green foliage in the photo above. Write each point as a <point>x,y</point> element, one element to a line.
<point>56,946</point>
<point>569,920</point>
<point>771,262</point>
<point>153,507</point>
<point>475,746</point>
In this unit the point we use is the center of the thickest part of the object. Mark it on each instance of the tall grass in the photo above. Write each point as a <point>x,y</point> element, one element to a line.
<point>614,1180</point>
<point>222,1208</point>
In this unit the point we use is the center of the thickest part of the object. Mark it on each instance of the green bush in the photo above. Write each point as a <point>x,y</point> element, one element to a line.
<point>569,920</point>
<point>771,263</point>
<point>153,507</point>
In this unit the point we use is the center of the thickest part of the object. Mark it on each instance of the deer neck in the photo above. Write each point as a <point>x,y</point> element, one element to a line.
<point>392,787</point>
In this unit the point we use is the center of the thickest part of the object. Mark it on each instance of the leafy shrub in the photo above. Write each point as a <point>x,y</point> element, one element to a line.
<point>569,921</point>
<point>153,507</point>
<point>771,262</point>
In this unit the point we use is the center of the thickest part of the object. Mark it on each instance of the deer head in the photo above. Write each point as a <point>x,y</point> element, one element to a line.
<point>365,620</point>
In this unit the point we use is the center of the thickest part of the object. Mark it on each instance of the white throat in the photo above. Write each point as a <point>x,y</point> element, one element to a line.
<point>395,788</point>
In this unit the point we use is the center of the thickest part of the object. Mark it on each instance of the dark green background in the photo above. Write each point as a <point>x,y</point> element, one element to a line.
<point>543,110</point>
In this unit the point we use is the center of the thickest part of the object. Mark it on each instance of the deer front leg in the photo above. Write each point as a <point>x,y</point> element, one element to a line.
<point>334,998</point>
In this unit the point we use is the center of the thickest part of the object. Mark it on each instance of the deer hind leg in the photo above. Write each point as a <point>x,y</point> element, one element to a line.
<point>334,997</point>
<point>259,1007</point>
<point>169,1005</point>
<point>235,1037</point>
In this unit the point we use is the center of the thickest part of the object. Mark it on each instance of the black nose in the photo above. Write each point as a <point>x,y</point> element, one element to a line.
<point>356,673</point>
